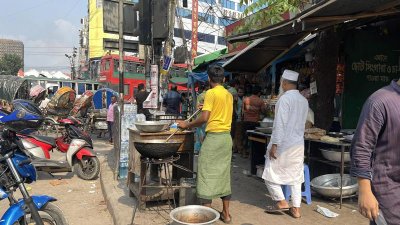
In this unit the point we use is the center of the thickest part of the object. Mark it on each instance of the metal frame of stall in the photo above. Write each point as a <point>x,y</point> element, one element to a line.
<point>255,156</point>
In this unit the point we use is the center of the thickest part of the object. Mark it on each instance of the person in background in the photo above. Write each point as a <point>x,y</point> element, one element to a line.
<point>172,101</point>
<point>201,131</point>
<point>253,106</point>
<point>285,151</point>
<point>140,97</point>
<point>214,165</point>
<point>185,105</point>
<point>231,87</point>
<point>239,123</point>
<point>202,93</point>
<point>110,117</point>
<point>375,156</point>
<point>310,117</point>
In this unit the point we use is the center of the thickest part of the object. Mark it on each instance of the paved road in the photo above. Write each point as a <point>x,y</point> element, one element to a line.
<point>82,201</point>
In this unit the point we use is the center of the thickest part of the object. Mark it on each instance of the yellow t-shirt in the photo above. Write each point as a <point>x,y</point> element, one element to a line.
<point>220,104</point>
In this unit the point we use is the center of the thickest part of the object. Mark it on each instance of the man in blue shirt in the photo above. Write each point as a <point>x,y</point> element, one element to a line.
<point>172,101</point>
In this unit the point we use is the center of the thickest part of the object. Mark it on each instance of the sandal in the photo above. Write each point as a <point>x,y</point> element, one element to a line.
<point>275,209</point>
<point>223,219</point>
<point>294,215</point>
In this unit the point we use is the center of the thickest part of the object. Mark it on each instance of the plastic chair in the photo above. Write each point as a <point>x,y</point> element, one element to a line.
<point>307,189</point>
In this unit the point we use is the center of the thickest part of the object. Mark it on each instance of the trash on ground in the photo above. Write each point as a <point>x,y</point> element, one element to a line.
<point>57,182</point>
<point>92,192</point>
<point>326,212</point>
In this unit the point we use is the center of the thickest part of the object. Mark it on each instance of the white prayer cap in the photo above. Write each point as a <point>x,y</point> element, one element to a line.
<point>290,75</point>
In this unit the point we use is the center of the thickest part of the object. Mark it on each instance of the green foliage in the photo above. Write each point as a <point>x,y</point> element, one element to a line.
<point>267,12</point>
<point>10,64</point>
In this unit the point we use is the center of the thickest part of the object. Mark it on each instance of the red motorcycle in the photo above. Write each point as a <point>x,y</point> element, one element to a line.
<point>77,145</point>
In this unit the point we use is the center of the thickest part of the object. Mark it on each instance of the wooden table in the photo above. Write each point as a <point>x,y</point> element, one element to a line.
<point>259,142</point>
<point>136,167</point>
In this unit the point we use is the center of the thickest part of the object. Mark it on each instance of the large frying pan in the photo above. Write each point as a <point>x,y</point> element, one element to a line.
<point>157,149</point>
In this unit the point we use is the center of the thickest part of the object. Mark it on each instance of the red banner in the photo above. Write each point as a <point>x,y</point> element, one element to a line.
<point>195,26</point>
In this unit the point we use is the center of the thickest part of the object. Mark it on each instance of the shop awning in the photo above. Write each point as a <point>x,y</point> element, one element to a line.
<point>210,56</point>
<point>324,14</point>
<point>201,62</point>
<point>274,41</point>
<point>261,52</point>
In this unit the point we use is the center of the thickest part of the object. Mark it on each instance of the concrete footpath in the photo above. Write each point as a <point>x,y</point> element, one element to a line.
<point>249,199</point>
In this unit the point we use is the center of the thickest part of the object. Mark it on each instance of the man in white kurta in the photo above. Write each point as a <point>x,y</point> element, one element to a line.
<point>285,151</point>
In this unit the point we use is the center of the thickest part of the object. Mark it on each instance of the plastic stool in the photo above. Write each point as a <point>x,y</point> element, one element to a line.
<point>307,189</point>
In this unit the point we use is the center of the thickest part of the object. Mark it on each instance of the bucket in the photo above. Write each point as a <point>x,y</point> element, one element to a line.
<point>194,215</point>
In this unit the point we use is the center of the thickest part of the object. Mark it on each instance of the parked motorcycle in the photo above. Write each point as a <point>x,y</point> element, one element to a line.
<point>77,144</point>
<point>16,169</point>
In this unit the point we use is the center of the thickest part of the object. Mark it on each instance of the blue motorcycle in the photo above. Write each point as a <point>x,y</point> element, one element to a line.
<point>16,170</point>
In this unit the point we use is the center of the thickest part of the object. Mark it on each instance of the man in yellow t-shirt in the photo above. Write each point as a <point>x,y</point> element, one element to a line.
<point>214,166</point>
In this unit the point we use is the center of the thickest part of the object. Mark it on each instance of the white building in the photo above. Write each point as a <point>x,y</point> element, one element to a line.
<point>213,16</point>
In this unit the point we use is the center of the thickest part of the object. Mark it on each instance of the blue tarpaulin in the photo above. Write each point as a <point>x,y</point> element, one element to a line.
<point>98,100</point>
<point>202,76</point>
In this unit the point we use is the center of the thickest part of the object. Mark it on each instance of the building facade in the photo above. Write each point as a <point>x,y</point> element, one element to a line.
<point>213,16</point>
<point>8,46</point>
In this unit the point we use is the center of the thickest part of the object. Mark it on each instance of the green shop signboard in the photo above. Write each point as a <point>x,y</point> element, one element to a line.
<point>372,61</point>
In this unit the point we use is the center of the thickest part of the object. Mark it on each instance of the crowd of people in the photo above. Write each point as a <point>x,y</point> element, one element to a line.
<point>228,110</point>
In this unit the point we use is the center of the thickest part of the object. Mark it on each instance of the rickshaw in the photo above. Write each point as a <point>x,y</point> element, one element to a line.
<point>81,109</point>
<point>11,88</point>
<point>98,115</point>
<point>60,106</point>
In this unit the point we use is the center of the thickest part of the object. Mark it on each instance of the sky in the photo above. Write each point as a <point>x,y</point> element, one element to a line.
<point>49,29</point>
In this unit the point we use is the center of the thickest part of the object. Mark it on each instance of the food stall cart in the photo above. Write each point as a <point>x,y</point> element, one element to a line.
<point>259,142</point>
<point>137,168</point>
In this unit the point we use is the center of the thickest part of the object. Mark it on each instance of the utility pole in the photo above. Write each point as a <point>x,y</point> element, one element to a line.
<point>121,53</point>
<point>121,73</point>
<point>72,63</point>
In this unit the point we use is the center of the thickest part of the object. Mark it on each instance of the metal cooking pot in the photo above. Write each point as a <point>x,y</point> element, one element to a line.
<point>328,185</point>
<point>336,134</point>
<point>158,149</point>
<point>151,126</point>
<point>194,215</point>
<point>335,155</point>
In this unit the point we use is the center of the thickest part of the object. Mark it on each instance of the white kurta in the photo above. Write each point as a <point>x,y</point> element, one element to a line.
<point>288,134</point>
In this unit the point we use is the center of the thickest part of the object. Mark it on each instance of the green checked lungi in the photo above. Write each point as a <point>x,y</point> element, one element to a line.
<point>214,166</point>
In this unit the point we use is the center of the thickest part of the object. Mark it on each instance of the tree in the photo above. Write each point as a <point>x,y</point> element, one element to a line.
<point>266,12</point>
<point>10,64</point>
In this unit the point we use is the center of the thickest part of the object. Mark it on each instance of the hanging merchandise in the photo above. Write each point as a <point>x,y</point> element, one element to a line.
<point>339,78</point>
<point>313,87</point>
<point>152,100</point>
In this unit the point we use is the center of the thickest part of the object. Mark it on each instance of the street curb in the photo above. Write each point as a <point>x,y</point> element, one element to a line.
<point>119,204</point>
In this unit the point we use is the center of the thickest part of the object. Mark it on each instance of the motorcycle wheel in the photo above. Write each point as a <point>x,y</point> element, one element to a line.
<point>88,168</point>
<point>50,214</point>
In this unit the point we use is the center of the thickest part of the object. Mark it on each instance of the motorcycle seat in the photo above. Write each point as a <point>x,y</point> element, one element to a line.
<point>49,140</point>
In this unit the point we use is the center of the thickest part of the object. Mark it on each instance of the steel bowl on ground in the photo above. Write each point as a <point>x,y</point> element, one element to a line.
<point>194,215</point>
<point>158,149</point>
<point>328,185</point>
<point>151,126</point>
<point>335,155</point>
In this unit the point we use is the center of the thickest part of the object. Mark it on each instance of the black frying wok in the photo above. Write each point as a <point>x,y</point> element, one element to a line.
<point>158,149</point>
